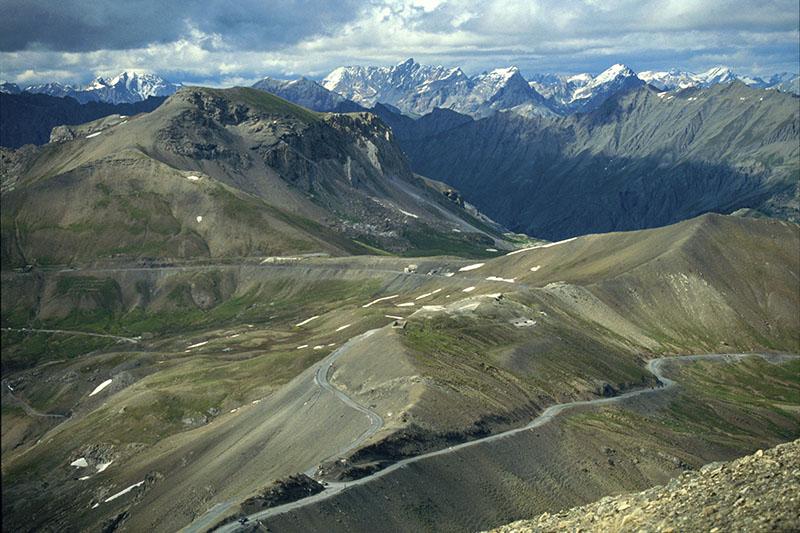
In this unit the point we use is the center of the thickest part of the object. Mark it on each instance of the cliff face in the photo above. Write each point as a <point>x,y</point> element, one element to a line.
<point>758,492</point>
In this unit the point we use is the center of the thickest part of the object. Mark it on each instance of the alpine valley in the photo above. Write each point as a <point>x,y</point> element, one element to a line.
<point>399,298</point>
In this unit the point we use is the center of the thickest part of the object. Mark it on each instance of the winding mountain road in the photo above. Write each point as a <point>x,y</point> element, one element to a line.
<point>654,366</point>
<point>70,332</point>
<point>27,407</point>
<point>321,380</point>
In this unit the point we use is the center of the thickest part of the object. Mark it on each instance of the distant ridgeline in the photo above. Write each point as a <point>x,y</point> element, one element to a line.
<point>28,118</point>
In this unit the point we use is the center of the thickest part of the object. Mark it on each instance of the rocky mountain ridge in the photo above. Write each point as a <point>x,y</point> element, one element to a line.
<point>758,492</point>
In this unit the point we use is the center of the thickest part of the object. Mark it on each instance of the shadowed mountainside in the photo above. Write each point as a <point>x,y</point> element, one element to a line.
<point>28,118</point>
<point>642,159</point>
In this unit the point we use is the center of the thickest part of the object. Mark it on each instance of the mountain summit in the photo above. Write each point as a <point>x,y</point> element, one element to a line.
<point>127,87</point>
<point>418,89</point>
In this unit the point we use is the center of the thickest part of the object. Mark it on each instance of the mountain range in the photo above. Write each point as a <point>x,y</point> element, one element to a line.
<point>417,89</point>
<point>642,158</point>
<point>125,88</point>
<point>229,309</point>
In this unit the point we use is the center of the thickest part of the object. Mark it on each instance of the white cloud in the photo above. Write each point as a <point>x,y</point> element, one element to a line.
<point>537,35</point>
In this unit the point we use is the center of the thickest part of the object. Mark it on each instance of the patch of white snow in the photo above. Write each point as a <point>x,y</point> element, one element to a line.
<point>505,280</point>
<point>381,299</point>
<point>196,345</point>
<point>100,387</point>
<point>306,321</point>
<point>124,491</point>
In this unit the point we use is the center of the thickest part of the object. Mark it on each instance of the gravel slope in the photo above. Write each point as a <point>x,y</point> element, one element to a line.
<point>759,492</point>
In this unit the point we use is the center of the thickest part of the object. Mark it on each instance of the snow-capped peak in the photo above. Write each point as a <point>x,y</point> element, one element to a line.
<point>580,79</point>
<point>130,86</point>
<point>504,73</point>
<point>716,75</point>
<point>612,73</point>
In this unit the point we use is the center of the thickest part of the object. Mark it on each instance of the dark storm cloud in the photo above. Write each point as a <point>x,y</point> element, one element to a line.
<point>88,25</point>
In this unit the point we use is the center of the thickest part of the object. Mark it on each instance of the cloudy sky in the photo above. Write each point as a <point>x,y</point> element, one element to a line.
<point>224,42</point>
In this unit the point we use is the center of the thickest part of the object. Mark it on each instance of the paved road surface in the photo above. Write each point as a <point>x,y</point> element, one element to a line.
<point>654,366</point>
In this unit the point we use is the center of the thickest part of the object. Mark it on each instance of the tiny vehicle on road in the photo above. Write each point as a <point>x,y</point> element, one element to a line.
<point>243,520</point>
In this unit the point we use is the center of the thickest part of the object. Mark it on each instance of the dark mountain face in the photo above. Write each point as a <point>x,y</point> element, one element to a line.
<point>309,94</point>
<point>641,159</point>
<point>28,118</point>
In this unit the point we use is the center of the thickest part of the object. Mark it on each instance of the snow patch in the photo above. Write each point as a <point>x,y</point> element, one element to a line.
<point>123,492</point>
<point>537,267</point>
<point>381,300</point>
<point>468,289</point>
<point>79,463</point>
<point>193,178</point>
<point>84,478</point>
<point>471,267</point>
<point>421,296</point>
<point>302,346</point>
<point>196,345</point>
<point>449,274</point>
<point>306,321</point>
<point>394,317</point>
<point>407,304</point>
<point>95,134</point>
<point>318,347</point>
<point>199,218</point>
<point>100,387</point>
<point>505,280</point>
<point>102,466</point>
<point>433,308</point>
<point>343,327</point>
<point>491,249</point>
<point>406,213</point>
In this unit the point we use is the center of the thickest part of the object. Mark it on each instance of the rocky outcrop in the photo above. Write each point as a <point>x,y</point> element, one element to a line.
<point>759,492</point>
<point>283,491</point>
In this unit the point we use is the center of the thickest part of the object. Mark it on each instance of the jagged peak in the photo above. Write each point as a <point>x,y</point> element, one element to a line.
<point>617,70</point>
